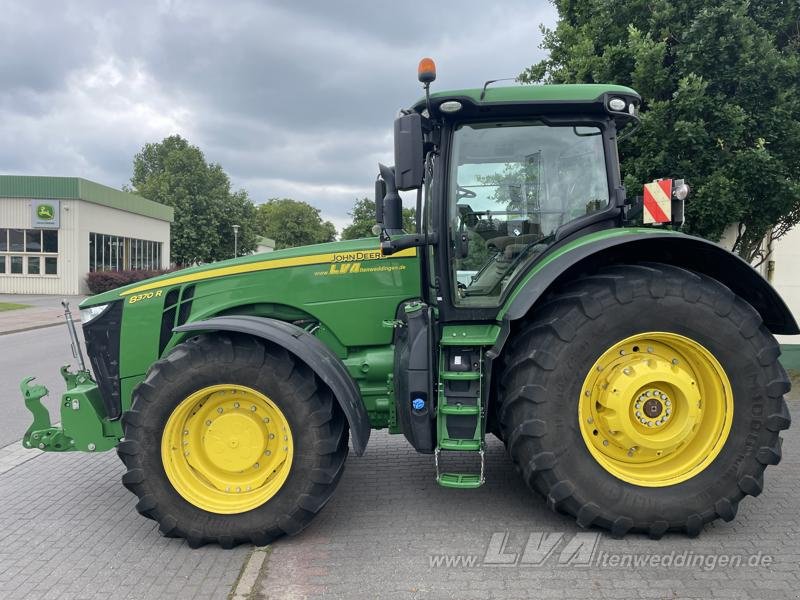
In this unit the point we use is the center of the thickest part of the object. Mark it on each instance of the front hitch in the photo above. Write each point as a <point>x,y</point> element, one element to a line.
<point>83,423</point>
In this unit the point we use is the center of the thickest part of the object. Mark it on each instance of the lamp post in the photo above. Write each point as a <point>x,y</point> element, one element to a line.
<point>235,241</point>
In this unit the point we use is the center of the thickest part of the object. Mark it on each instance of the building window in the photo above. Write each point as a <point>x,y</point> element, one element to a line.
<point>24,251</point>
<point>115,253</point>
<point>16,265</point>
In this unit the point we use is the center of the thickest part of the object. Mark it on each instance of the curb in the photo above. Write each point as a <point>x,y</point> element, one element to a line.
<point>33,327</point>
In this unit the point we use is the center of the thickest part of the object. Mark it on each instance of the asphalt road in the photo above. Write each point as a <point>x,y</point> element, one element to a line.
<point>68,530</point>
<point>39,353</point>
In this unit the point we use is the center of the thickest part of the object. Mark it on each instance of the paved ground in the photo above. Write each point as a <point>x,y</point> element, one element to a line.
<point>389,524</point>
<point>39,353</point>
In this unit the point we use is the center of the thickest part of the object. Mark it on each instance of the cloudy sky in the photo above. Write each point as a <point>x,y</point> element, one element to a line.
<point>293,99</point>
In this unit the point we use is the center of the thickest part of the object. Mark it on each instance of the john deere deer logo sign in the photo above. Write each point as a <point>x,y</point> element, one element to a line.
<point>45,214</point>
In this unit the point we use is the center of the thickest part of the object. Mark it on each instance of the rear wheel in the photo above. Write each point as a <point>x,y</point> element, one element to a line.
<point>231,440</point>
<point>644,398</point>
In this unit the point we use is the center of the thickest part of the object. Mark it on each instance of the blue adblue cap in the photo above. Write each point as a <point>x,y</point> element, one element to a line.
<point>418,403</point>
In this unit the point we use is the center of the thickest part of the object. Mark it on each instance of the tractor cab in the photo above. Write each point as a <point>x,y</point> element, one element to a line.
<point>502,174</point>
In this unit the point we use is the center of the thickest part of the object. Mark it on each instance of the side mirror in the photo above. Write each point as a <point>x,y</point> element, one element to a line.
<point>380,194</point>
<point>392,210</point>
<point>409,156</point>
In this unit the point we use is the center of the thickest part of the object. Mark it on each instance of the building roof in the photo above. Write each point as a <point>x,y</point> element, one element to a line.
<point>77,188</point>
<point>265,241</point>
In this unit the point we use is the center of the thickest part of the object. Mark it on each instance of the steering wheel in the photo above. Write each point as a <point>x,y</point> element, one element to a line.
<point>462,192</point>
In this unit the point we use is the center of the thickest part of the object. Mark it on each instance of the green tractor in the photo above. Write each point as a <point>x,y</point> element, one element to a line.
<point>631,371</point>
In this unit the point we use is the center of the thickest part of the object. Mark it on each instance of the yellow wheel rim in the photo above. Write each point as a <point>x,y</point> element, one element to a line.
<point>227,449</point>
<point>655,409</point>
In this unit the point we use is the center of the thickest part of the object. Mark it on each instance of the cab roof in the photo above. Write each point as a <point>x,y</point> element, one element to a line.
<point>557,96</point>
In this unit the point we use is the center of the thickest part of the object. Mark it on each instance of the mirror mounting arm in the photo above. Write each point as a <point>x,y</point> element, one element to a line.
<point>413,240</point>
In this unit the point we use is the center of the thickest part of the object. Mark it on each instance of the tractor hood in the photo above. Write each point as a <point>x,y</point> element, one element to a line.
<point>318,254</point>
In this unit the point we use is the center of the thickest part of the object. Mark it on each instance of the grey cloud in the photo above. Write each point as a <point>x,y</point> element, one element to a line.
<point>293,99</point>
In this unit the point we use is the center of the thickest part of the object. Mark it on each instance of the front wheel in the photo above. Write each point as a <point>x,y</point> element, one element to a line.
<point>644,398</point>
<point>231,440</point>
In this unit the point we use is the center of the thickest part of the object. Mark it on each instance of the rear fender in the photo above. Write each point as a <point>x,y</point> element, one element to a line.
<point>691,253</point>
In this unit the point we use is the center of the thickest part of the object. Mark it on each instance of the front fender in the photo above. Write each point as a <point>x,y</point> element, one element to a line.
<point>647,245</point>
<point>319,358</point>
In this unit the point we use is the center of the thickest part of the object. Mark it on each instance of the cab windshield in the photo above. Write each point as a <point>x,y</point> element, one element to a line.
<point>512,185</point>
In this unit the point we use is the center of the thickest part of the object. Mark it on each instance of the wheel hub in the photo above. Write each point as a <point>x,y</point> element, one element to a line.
<point>227,448</point>
<point>654,408</point>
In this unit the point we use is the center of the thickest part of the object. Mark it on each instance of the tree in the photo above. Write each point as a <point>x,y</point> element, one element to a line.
<point>175,173</point>
<point>293,223</point>
<point>363,214</point>
<point>720,84</point>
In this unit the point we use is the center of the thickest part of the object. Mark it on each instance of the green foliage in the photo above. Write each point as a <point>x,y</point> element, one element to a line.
<point>720,83</point>
<point>293,223</point>
<point>363,214</point>
<point>175,173</point>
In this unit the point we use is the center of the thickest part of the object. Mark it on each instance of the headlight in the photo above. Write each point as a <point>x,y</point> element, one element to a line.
<point>92,312</point>
<point>617,104</point>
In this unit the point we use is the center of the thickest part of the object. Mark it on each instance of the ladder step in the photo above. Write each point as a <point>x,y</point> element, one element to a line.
<point>460,445</point>
<point>460,480</point>
<point>459,409</point>
<point>461,375</point>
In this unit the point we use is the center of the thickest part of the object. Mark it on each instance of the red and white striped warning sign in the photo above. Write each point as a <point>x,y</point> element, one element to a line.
<point>658,201</point>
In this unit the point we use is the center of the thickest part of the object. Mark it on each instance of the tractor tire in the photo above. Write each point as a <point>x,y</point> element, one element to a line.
<point>232,440</point>
<point>581,370</point>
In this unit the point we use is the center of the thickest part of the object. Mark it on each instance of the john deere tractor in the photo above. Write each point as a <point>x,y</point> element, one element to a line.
<point>630,370</point>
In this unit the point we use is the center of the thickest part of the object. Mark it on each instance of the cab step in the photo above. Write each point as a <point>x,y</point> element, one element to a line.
<point>459,409</point>
<point>460,480</point>
<point>459,445</point>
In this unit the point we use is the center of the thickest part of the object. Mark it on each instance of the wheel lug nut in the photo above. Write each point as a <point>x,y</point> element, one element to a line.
<point>219,410</point>
<point>235,405</point>
<point>649,423</point>
<point>668,402</point>
<point>674,361</point>
<point>208,423</point>
<point>590,420</point>
<point>605,442</point>
<point>238,489</point>
<point>272,436</point>
<point>253,408</point>
<point>255,466</point>
<point>638,414</point>
<point>267,452</point>
<point>266,419</point>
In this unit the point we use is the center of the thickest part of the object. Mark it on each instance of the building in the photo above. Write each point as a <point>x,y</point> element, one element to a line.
<point>781,269</point>
<point>264,244</point>
<point>54,230</point>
